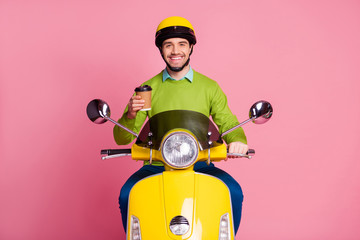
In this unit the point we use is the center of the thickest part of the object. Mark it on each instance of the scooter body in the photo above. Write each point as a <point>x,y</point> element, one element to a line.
<point>179,203</point>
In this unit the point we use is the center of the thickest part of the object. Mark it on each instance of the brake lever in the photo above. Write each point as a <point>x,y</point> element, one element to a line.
<point>115,156</point>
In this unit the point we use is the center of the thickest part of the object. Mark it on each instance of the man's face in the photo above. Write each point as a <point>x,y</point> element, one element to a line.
<point>176,52</point>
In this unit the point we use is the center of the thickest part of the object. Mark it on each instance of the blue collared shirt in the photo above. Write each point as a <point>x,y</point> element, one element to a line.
<point>189,76</point>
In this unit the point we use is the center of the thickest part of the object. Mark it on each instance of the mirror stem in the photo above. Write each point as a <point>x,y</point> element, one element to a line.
<point>121,126</point>
<point>237,126</point>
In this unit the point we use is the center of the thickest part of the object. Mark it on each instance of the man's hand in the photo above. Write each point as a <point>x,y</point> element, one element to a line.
<point>238,147</point>
<point>135,104</point>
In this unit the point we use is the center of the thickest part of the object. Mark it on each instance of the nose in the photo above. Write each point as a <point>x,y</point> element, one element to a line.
<point>175,50</point>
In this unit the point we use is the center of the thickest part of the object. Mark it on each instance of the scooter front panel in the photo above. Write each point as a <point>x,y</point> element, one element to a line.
<point>200,198</point>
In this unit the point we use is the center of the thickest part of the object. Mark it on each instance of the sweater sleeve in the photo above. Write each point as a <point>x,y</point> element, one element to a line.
<point>121,136</point>
<point>224,119</point>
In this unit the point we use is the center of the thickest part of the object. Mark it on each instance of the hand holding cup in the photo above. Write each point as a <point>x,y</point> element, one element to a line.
<point>140,102</point>
<point>135,104</point>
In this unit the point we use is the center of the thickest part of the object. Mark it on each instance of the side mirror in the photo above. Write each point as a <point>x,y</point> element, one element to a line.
<point>98,112</point>
<point>260,112</point>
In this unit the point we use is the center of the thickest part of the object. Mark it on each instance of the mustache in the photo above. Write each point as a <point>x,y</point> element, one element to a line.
<point>176,55</point>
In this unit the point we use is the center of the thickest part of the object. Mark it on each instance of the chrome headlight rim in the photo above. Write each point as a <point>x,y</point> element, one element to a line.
<point>180,132</point>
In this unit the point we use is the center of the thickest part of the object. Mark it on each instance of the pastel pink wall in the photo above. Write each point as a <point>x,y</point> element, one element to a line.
<point>302,56</point>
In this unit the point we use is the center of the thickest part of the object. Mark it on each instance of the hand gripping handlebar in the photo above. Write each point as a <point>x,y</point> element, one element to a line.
<point>249,154</point>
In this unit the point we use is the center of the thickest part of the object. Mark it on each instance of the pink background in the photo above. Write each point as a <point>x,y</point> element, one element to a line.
<point>302,56</point>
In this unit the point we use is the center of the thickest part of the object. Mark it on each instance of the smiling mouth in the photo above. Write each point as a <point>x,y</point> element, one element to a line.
<point>176,59</point>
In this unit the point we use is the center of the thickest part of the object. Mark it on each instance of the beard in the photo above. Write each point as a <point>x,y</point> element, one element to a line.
<point>177,69</point>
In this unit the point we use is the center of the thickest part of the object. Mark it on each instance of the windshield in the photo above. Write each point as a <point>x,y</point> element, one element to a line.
<point>163,122</point>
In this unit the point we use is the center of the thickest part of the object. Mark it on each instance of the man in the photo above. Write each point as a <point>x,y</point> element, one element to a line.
<point>179,87</point>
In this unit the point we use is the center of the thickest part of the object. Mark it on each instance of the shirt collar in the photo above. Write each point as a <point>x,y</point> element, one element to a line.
<point>189,75</point>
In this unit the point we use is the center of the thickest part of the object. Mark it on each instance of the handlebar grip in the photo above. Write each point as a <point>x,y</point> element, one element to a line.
<point>114,151</point>
<point>251,152</point>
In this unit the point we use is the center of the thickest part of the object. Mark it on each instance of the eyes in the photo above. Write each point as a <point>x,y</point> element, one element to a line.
<point>181,44</point>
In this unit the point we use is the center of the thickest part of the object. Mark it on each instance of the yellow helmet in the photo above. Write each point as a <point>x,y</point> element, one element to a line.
<point>173,27</point>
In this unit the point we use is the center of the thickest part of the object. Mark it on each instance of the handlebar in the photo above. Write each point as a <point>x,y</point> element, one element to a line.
<point>113,153</point>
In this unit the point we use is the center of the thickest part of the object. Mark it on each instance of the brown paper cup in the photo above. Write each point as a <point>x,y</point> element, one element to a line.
<point>145,93</point>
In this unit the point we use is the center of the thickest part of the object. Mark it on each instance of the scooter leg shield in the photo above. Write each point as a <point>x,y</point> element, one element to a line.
<point>199,198</point>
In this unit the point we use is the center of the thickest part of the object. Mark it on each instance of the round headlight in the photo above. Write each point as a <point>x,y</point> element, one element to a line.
<point>179,150</point>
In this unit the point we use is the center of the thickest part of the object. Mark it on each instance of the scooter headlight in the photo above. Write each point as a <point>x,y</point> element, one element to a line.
<point>180,150</point>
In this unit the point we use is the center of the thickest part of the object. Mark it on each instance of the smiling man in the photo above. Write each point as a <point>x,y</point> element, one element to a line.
<point>179,87</point>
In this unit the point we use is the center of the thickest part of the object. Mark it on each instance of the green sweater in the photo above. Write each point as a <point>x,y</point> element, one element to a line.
<point>201,95</point>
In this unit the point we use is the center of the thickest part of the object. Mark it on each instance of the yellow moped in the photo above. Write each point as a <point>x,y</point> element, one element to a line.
<point>176,203</point>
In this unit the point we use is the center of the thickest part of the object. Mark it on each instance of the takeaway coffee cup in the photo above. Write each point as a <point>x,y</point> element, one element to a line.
<point>145,93</point>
